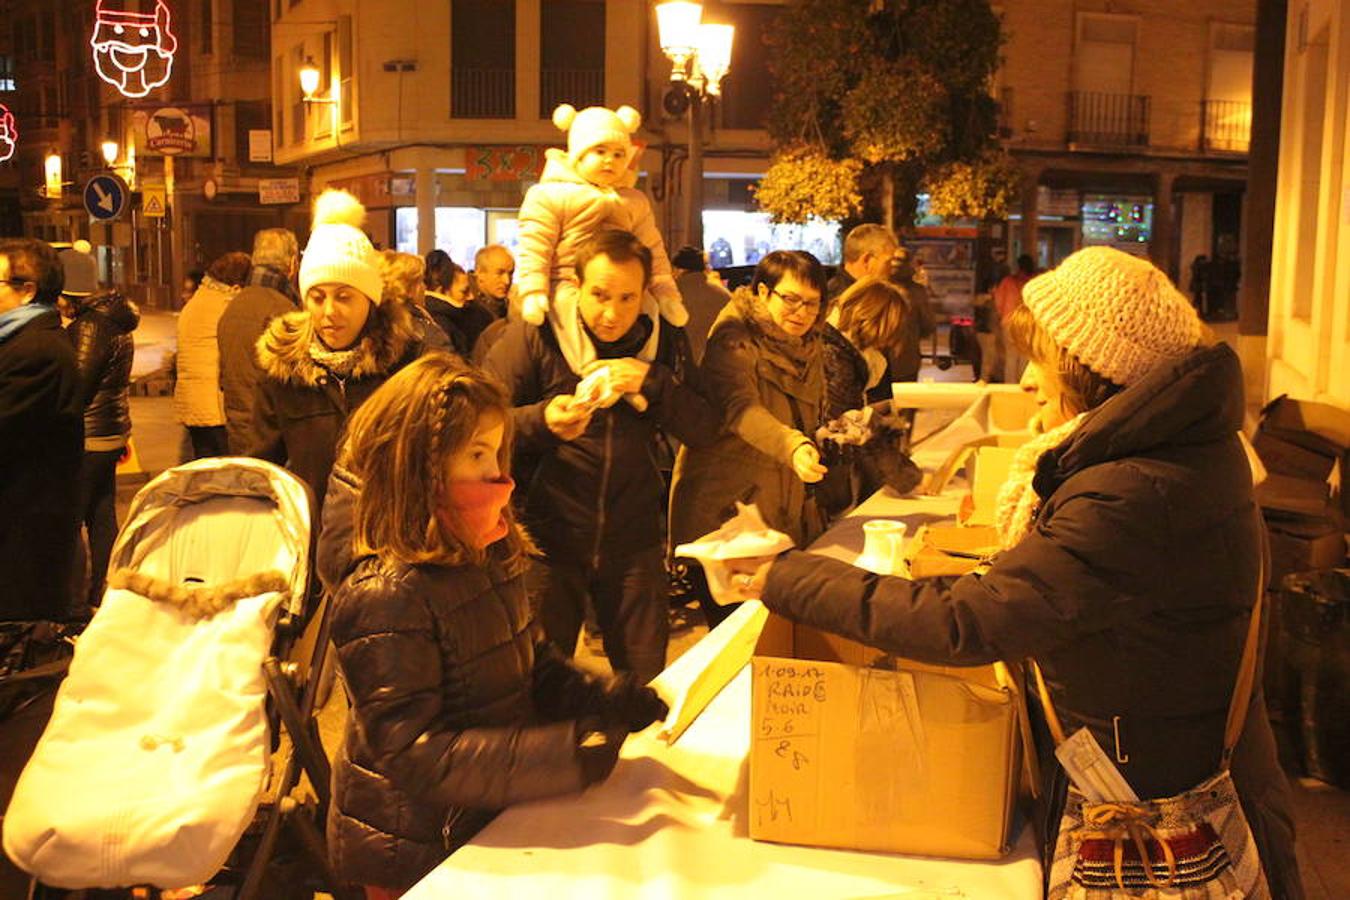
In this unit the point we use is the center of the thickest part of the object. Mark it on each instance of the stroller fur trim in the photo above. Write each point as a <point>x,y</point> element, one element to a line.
<point>202,602</point>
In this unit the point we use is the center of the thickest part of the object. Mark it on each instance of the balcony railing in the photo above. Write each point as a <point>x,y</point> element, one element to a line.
<point>579,87</point>
<point>1225,126</point>
<point>482,93</point>
<point>1117,120</point>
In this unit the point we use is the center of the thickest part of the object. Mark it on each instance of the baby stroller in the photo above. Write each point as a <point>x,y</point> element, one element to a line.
<point>156,757</point>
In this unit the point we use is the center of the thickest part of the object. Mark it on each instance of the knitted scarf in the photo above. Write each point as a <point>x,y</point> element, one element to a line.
<point>11,321</point>
<point>339,362</point>
<point>1018,501</point>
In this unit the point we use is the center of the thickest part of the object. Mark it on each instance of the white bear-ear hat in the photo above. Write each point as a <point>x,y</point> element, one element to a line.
<point>596,125</point>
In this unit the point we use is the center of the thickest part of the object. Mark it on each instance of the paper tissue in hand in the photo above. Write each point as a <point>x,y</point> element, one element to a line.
<point>743,536</point>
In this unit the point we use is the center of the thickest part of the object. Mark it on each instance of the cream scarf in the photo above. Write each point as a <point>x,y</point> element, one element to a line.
<point>1018,501</point>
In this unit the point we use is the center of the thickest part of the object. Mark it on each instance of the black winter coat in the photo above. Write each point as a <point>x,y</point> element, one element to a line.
<point>1133,589</point>
<point>845,373</point>
<point>601,494</point>
<point>458,707</point>
<point>300,407</point>
<point>104,348</point>
<point>41,447</point>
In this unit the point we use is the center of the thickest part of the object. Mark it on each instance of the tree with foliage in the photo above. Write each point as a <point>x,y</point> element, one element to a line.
<point>887,93</point>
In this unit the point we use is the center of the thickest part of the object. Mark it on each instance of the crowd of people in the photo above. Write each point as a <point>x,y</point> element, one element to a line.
<point>486,470</point>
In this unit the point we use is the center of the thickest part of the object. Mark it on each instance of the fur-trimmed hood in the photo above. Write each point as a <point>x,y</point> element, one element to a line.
<point>283,349</point>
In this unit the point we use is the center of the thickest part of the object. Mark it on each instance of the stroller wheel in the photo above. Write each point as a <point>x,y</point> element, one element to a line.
<point>944,363</point>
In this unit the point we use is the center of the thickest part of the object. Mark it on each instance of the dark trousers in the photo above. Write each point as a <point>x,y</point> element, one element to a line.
<point>98,510</point>
<point>209,440</point>
<point>713,613</point>
<point>629,598</point>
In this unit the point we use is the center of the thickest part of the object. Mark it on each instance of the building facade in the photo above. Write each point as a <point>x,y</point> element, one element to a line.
<point>437,115</point>
<point>183,147</point>
<point>1308,342</point>
<point>1131,124</point>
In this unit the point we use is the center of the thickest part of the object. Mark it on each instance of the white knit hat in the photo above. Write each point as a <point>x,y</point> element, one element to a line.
<point>1117,314</point>
<point>596,125</point>
<point>338,251</point>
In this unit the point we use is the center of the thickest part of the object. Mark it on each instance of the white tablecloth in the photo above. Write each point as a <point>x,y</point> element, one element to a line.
<point>671,820</point>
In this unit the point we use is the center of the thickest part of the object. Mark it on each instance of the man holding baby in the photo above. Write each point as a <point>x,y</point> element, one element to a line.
<point>595,387</point>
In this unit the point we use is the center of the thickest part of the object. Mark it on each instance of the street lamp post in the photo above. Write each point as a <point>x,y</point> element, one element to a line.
<point>700,56</point>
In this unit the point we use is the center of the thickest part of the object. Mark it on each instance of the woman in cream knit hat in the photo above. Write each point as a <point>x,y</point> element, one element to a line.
<point>321,362</point>
<point>1131,563</point>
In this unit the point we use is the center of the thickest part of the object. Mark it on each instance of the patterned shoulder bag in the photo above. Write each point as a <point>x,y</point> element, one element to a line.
<point>1193,845</point>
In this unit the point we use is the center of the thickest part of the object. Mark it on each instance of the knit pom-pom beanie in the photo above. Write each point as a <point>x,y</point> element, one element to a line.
<point>596,125</point>
<point>1117,314</point>
<point>338,251</point>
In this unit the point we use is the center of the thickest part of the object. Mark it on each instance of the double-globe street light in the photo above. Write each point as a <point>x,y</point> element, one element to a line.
<point>700,56</point>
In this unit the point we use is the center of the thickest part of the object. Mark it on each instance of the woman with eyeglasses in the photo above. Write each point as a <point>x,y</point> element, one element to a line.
<point>763,368</point>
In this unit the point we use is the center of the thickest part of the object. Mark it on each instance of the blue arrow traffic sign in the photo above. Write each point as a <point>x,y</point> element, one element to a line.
<point>105,196</point>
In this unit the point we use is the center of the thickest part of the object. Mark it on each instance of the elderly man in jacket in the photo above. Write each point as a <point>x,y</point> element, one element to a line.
<point>41,438</point>
<point>270,292</point>
<point>595,502</point>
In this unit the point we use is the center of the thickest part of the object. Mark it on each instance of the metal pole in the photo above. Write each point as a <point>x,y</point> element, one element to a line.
<point>693,185</point>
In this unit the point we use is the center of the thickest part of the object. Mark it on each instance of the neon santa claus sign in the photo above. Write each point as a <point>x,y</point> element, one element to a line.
<point>9,133</point>
<point>133,51</point>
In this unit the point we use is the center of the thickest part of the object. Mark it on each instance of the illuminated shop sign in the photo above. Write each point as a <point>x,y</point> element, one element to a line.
<point>133,51</point>
<point>9,133</point>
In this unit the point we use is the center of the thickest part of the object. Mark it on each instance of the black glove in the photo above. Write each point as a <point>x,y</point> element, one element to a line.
<point>598,747</point>
<point>632,705</point>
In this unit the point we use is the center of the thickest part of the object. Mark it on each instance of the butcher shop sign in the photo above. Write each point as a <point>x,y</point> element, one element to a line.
<point>172,130</point>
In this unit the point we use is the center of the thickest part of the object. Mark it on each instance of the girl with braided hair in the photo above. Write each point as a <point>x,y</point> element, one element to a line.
<point>459,707</point>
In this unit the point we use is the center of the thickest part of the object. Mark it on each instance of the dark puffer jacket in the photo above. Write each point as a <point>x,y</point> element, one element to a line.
<point>601,494</point>
<point>1133,589</point>
<point>458,709</point>
<point>104,348</point>
<point>300,407</point>
<point>845,373</point>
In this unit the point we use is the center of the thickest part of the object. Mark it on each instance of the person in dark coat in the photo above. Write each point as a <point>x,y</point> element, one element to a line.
<point>764,373</point>
<point>100,330</point>
<point>451,303</point>
<point>703,294</point>
<point>595,500</point>
<point>41,439</point>
<point>320,363</point>
<point>459,708</point>
<point>865,325</point>
<point>270,292</point>
<point>1133,547</point>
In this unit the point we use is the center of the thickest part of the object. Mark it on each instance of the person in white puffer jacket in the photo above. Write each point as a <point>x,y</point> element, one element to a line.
<point>582,190</point>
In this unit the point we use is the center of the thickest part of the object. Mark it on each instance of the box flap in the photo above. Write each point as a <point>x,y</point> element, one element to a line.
<point>1287,414</point>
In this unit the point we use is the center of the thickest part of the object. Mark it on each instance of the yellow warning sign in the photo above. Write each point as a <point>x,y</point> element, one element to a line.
<point>153,201</point>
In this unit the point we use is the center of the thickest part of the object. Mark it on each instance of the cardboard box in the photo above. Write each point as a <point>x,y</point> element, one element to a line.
<point>1291,418</point>
<point>855,749</point>
<point>989,472</point>
<point>1286,493</point>
<point>1302,545</point>
<point>1285,457</point>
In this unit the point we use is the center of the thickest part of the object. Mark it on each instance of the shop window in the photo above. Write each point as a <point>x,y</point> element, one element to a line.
<point>249,115</point>
<point>738,238</point>
<point>7,82</point>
